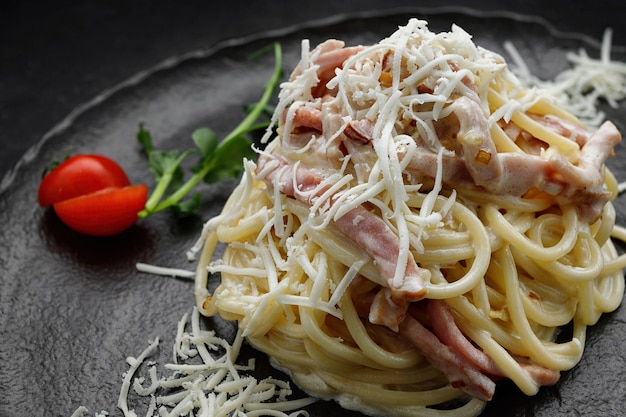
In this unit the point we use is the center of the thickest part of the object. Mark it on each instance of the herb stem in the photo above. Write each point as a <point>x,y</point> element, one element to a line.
<point>245,124</point>
<point>161,186</point>
<point>189,185</point>
<point>248,124</point>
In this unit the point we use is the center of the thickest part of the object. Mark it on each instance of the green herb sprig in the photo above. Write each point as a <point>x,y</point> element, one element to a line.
<point>218,160</point>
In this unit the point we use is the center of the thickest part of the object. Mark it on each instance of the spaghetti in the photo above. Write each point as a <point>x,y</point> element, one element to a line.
<point>420,227</point>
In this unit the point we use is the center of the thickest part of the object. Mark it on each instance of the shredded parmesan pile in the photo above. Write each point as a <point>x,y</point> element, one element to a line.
<point>205,380</point>
<point>580,88</point>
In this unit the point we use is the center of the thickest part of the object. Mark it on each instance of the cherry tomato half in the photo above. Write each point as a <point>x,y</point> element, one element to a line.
<point>103,213</point>
<point>80,175</point>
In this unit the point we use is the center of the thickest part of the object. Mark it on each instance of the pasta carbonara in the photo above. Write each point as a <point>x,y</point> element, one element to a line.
<point>419,226</point>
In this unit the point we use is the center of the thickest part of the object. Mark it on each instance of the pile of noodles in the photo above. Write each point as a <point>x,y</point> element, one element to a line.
<point>420,227</point>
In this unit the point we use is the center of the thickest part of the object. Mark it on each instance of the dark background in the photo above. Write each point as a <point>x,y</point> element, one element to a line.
<point>57,55</point>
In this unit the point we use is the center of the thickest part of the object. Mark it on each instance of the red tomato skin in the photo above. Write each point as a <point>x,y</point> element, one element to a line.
<point>103,213</point>
<point>80,175</point>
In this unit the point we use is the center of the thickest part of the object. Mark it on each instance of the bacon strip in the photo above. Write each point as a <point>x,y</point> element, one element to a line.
<point>360,130</point>
<point>431,329</point>
<point>448,332</point>
<point>479,151</point>
<point>366,229</point>
<point>307,117</point>
<point>446,329</point>
<point>580,184</point>
<point>461,373</point>
<point>585,181</point>
<point>328,56</point>
<point>563,127</point>
<point>372,234</point>
<point>477,163</point>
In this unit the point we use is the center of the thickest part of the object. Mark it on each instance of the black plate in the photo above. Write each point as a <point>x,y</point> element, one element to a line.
<point>72,308</point>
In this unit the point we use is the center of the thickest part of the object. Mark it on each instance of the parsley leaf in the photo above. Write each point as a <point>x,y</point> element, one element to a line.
<point>217,160</point>
<point>206,141</point>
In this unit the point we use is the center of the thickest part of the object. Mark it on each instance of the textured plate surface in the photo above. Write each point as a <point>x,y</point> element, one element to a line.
<point>72,308</point>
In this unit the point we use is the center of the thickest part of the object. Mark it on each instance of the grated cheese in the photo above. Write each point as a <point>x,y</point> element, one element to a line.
<point>584,85</point>
<point>427,55</point>
<point>213,385</point>
<point>165,271</point>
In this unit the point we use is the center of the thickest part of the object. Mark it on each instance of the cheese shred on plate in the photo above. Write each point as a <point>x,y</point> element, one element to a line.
<point>587,82</point>
<point>204,379</point>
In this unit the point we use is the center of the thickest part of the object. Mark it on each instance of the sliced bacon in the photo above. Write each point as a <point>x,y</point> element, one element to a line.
<point>307,117</point>
<point>446,329</point>
<point>430,327</point>
<point>387,311</point>
<point>587,174</point>
<point>305,123</point>
<point>542,376</point>
<point>563,127</point>
<point>585,181</point>
<point>479,151</point>
<point>366,229</point>
<point>372,234</point>
<point>283,175</point>
<point>360,130</point>
<point>462,374</point>
<point>580,184</point>
<point>448,332</point>
<point>328,56</point>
